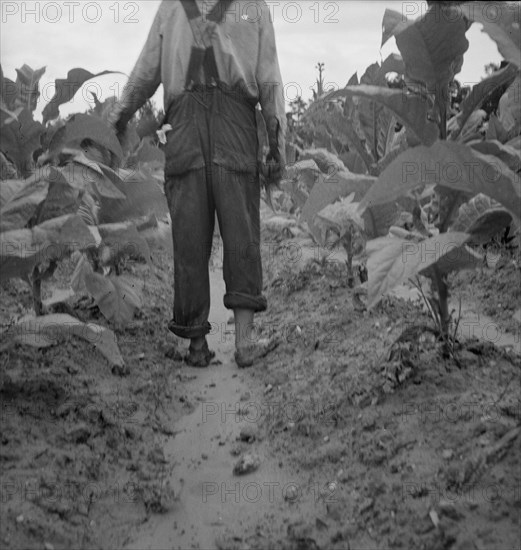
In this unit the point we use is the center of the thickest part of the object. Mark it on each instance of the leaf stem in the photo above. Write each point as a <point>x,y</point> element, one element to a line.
<point>36,283</point>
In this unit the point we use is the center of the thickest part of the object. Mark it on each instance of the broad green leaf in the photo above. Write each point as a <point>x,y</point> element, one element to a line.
<point>8,189</point>
<point>121,240</point>
<point>392,262</point>
<point>510,108</point>
<point>496,130</point>
<point>327,162</point>
<point>393,63</point>
<point>53,140</point>
<point>341,217</point>
<point>393,23</point>
<point>510,156</point>
<point>354,162</point>
<point>472,129</point>
<point>20,139</point>
<point>53,240</point>
<point>92,178</point>
<point>500,21</point>
<point>432,47</point>
<point>328,190</point>
<point>59,296</point>
<point>144,196</point>
<point>66,88</point>
<point>116,297</point>
<point>27,85</point>
<point>63,235</point>
<point>514,143</point>
<point>451,165</point>
<point>146,152</point>
<point>343,128</point>
<point>370,75</point>
<point>410,109</point>
<point>7,92</point>
<point>7,116</point>
<point>81,127</point>
<point>77,156</point>
<point>80,271</point>
<point>297,194</point>
<point>18,254</point>
<point>8,110</point>
<point>48,330</point>
<point>379,218</point>
<point>159,237</point>
<point>481,218</point>
<point>62,197</point>
<point>332,121</point>
<point>376,122</point>
<point>353,81</point>
<point>480,93</point>
<point>153,170</point>
<point>399,147</point>
<point>21,205</point>
<point>456,259</point>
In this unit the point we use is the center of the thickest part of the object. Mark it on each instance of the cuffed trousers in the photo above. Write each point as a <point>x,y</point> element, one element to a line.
<point>211,167</point>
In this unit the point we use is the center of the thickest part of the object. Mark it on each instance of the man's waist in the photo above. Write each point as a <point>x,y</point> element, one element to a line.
<point>206,92</point>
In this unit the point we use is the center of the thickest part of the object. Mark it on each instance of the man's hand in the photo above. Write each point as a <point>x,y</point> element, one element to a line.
<point>271,174</point>
<point>125,138</point>
<point>272,169</point>
<point>119,131</point>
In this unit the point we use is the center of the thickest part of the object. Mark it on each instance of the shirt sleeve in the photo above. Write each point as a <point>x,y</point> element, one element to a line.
<point>271,89</point>
<point>144,79</point>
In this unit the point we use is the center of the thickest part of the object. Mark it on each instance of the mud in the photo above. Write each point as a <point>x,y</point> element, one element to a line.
<point>360,443</point>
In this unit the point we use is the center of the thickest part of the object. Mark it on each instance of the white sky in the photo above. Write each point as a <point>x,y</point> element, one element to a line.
<point>108,35</point>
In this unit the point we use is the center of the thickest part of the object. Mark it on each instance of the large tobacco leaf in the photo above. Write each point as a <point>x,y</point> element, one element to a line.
<point>48,330</point>
<point>53,240</point>
<point>432,46</point>
<point>452,165</point>
<point>66,88</point>
<point>500,21</point>
<point>411,109</point>
<point>392,261</point>
<point>19,139</point>
<point>478,95</point>
<point>481,218</point>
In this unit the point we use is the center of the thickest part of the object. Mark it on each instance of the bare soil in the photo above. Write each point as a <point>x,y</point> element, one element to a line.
<point>356,440</point>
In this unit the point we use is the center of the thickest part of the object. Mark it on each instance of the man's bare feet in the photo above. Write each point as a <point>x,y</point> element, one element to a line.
<point>199,355</point>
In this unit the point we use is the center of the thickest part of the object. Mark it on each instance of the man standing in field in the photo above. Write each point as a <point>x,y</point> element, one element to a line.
<point>216,60</point>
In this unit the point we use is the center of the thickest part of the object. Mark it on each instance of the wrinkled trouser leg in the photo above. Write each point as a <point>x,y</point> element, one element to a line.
<point>237,200</point>
<point>224,187</point>
<point>192,212</point>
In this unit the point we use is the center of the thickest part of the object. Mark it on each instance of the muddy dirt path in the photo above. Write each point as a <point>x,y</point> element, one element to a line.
<point>214,508</point>
<point>211,501</point>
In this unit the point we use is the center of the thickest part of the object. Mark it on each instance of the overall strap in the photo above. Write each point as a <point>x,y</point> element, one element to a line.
<point>216,15</point>
<point>219,11</point>
<point>191,9</point>
<point>203,54</point>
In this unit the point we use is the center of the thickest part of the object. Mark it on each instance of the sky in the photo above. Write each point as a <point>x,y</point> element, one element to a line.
<point>345,35</point>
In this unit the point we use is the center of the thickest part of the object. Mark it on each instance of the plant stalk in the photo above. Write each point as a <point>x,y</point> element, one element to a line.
<point>443,295</point>
<point>36,283</point>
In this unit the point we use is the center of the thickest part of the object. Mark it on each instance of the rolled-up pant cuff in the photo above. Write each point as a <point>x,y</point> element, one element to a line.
<point>237,300</point>
<point>195,331</point>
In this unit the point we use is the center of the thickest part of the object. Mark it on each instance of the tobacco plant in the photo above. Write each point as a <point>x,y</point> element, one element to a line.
<point>69,192</point>
<point>454,178</point>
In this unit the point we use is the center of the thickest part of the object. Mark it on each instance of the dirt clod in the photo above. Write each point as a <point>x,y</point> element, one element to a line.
<point>247,463</point>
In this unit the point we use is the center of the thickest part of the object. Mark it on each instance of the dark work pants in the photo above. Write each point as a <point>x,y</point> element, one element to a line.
<point>211,167</point>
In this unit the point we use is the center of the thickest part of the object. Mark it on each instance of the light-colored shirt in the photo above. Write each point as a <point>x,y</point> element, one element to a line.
<point>245,53</point>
